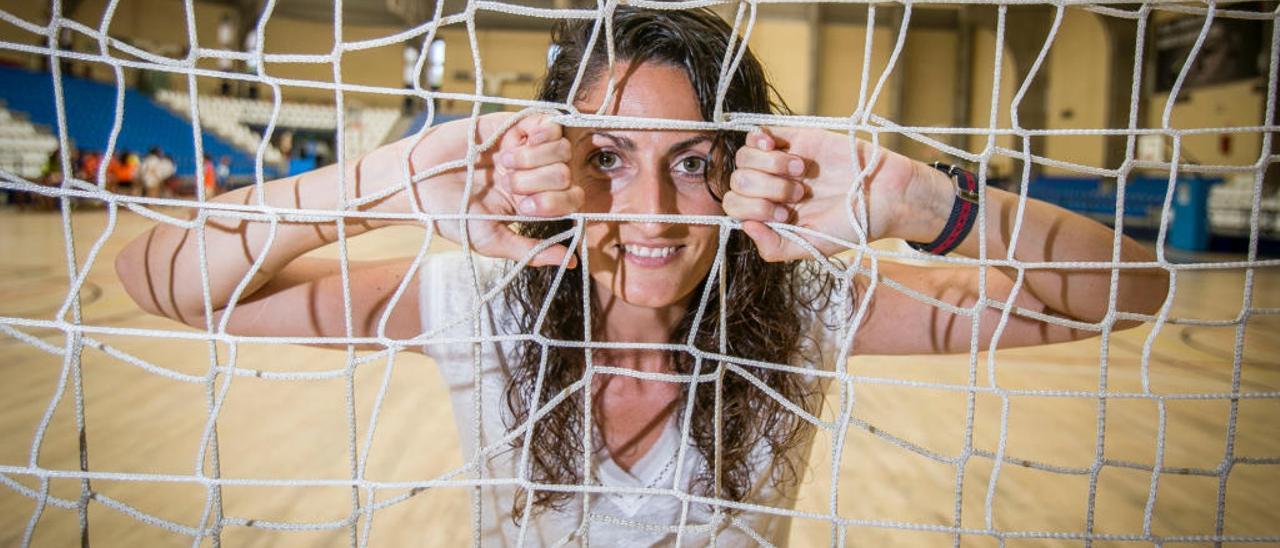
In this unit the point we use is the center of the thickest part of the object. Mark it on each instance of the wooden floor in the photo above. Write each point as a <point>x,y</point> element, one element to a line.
<point>142,423</point>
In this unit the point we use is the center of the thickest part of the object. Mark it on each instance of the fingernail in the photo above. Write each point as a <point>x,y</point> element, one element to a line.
<point>507,159</point>
<point>765,143</point>
<point>795,167</point>
<point>781,214</point>
<point>527,206</point>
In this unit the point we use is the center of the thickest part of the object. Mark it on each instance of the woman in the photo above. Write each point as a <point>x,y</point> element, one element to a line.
<point>645,280</point>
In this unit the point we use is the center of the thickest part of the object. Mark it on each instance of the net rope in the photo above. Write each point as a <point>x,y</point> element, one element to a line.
<point>369,496</point>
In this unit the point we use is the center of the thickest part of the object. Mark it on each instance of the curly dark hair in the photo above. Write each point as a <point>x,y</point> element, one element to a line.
<point>764,300</point>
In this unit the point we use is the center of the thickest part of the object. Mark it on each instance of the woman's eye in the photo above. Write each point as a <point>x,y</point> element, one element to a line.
<point>605,160</point>
<point>693,165</point>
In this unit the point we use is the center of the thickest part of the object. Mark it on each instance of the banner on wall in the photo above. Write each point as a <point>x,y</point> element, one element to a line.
<point>1232,51</point>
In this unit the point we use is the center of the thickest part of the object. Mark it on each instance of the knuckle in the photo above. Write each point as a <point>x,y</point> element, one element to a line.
<point>778,162</point>
<point>517,183</point>
<point>577,196</point>
<point>785,191</point>
<point>554,130</point>
<point>730,204</point>
<point>520,156</point>
<point>763,210</point>
<point>746,183</point>
<point>560,171</point>
<point>563,151</point>
<point>540,204</point>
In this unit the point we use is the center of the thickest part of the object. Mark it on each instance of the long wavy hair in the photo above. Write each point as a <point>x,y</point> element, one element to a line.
<point>764,300</point>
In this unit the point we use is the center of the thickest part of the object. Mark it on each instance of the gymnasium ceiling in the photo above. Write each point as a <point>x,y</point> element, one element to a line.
<point>394,12</point>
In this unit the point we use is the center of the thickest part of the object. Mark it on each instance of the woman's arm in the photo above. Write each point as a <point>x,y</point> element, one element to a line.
<point>909,200</point>
<point>160,269</point>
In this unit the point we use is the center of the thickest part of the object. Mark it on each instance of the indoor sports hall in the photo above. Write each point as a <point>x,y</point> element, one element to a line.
<point>128,420</point>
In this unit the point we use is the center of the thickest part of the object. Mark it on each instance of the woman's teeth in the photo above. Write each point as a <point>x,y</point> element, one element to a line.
<point>645,251</point>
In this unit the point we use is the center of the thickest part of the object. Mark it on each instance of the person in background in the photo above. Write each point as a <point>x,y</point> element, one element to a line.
<point>251,65</point>
<point>210,178</point>
<point>226,41</point>
<point>156,168</point>
<point>223,172</point>
<point>123,170</point>
<point>90,162</point>
<point>410,76</point>
<point>50,175</point>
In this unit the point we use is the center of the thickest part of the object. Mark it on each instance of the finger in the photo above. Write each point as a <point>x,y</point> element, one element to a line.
<point>539,128</point>
<point>510,245</point>
<point>758,184</point>
<point>761,138</point>
<point>776,162</point>
<point>539,179</point>
<point>771,245</point>
<point>747,208</point>
<point>552,204</point>
<point>535,155</point>
<point>545,131</point>
<point>781,137</point>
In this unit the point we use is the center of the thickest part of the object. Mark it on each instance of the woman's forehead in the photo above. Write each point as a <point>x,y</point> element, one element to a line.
<point>636,140</point>
<point>647,90</point>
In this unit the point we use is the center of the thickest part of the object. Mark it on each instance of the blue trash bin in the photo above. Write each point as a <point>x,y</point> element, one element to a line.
<point>1189,229</point>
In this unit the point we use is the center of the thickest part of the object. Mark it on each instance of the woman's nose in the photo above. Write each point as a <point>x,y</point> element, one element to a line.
<point>649,194</point>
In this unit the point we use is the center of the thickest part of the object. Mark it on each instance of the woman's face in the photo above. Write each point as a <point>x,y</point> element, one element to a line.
<point>648,264</point>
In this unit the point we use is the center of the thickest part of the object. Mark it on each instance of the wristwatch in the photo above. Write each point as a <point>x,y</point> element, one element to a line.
<point>964,212</point>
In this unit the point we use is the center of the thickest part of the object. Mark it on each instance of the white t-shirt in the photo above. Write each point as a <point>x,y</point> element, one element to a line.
<point>614,519</point>
<point>154,170</point>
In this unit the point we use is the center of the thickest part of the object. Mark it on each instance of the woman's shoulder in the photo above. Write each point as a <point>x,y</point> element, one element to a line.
<point>456,290</point>
<point>452,281</point>
<point>459,264</point>
<point>827,303</point>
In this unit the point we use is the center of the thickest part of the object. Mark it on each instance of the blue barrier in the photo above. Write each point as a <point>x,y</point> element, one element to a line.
<point>1143,202</point>
<point>90,109</point>
<point>421,119</point>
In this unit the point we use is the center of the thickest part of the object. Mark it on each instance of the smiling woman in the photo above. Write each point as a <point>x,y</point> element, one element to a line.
<point>620,353</point>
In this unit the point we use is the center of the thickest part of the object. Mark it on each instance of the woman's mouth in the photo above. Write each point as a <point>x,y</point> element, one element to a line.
<point>649,256</point>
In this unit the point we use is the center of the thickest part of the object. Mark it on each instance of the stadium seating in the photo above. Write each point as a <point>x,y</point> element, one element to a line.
<point>24,148</point>
<point>1231,205</point>
<point>91,110</point>
<point>366,128</point>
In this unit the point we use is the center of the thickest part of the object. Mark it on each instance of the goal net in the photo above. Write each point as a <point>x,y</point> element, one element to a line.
<point>1159,435</point>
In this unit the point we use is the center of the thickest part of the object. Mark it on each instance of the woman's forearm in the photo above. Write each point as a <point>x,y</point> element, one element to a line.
<point>160,269</point>
<point>1049,233</point>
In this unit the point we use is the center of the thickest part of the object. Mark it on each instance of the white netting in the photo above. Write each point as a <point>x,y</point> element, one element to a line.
<point>368,496</point>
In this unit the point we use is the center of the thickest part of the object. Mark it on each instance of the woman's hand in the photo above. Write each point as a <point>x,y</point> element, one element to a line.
<point>803,176</point>
<point>525,173</point>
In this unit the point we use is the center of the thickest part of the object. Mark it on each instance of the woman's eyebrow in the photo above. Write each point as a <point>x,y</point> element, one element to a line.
<point>690,142</point>
<point>618,140</point>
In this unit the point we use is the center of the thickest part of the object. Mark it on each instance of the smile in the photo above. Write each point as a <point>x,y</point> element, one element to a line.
<point>649,256</point>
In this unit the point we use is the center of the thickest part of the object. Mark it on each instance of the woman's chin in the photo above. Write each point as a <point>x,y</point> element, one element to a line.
<point>651,301</point>
<point>656,294</point>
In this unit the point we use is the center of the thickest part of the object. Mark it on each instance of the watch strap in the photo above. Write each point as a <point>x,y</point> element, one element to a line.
<point>964,212</point>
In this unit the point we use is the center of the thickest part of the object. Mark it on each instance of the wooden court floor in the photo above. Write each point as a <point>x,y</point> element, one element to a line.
<point>142,423</point>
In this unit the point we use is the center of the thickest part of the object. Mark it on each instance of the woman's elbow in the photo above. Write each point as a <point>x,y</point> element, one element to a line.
<point>152,289</point>
<point>1145,295</point>
<point>131,270</point>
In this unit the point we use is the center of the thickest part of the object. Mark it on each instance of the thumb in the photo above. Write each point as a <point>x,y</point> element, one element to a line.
<point>544,129</point>
<point>771,138</point>
<point>510,245</point>
<point>771,245</point>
